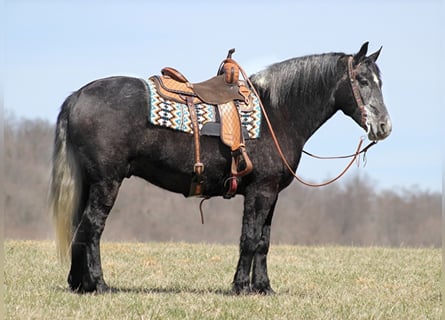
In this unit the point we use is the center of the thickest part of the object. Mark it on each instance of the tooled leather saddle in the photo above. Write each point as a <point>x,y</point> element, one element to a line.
<point>226,91</point>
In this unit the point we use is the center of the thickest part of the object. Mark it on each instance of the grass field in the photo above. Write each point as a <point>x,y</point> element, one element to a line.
<point>192,281</point>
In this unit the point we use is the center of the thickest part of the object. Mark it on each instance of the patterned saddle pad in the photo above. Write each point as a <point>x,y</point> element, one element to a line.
<point>176,116</point>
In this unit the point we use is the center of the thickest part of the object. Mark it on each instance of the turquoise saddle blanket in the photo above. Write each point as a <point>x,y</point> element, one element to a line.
<point>176,116</point>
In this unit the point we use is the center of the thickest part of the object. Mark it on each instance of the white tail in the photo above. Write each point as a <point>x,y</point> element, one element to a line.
<point>65,186</point>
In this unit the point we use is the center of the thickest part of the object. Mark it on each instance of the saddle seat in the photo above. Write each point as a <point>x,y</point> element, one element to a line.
<point>216,90</point>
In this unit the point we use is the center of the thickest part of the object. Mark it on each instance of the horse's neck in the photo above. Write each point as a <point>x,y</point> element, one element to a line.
<point>312,117</point>
<point>302,120</point>
<point>299,107</point>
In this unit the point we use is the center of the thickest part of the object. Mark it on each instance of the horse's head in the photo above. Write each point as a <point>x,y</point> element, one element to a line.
<point>359,94</point>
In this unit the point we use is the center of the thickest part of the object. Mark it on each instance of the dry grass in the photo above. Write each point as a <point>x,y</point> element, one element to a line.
<point>192,281</point>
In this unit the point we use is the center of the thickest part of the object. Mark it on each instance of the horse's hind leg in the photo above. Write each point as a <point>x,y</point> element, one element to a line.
<point>86,270</point>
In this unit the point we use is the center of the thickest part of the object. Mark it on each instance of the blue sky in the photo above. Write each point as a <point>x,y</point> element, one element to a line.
<point>54,47</point>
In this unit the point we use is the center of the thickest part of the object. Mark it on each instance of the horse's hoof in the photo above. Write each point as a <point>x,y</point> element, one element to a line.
<point>263,289</point>
<point>241,288</point>
<point>87,287</point>
<point>102,288</point>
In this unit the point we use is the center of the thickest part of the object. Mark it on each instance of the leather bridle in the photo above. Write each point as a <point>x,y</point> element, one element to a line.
<point>356,91</point>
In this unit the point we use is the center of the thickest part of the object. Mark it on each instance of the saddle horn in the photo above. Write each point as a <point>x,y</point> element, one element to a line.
<point>229,54</point>
<point>229,68</point>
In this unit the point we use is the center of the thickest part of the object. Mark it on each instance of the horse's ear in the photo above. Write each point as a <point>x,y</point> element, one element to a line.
<point>358,57</point>
<point>375,55</point>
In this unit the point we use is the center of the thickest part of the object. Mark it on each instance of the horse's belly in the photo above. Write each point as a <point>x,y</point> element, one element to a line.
<point>179,178</point>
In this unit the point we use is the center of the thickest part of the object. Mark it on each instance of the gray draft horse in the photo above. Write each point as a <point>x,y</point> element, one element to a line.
<point>103,136</point>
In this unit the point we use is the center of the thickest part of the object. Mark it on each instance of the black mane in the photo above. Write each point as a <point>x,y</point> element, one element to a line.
<point>303,79</point>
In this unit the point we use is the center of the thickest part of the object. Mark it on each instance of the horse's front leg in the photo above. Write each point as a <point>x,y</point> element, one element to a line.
<point>254,244</point>
<point>260,278</point>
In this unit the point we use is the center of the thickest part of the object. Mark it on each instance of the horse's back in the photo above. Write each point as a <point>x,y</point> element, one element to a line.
<point>109,96</point>
<point>104,103</point>
<point>107,120</point>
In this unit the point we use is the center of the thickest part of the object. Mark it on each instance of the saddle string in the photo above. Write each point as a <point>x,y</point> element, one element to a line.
<point>201,211</point>
<point>282,156</point>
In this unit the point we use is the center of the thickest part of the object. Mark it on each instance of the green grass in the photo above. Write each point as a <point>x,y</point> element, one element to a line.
<point>192,281</point>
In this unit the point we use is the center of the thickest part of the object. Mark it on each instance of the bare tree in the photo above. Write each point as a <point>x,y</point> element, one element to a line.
<point>350,212</point>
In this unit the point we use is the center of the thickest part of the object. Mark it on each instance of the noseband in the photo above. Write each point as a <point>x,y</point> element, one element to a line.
<point>356,91</point>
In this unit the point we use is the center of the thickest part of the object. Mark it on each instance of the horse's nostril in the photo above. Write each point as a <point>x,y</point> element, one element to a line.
<point>383,127</point>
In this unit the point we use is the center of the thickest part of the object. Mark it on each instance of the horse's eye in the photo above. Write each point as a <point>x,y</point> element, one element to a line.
<point>363,81</point>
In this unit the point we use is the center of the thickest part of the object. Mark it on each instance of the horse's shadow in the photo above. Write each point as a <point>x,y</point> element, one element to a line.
<point>167,290</point>
<point>158,290</point>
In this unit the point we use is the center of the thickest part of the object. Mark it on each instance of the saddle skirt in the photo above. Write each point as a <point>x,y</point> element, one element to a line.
<point>168,108</point>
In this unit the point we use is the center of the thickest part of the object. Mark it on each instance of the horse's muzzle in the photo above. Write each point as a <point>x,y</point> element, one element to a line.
<point>380,129</point>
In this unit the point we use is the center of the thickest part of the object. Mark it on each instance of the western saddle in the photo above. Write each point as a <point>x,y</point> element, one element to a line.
<point>226,91</point>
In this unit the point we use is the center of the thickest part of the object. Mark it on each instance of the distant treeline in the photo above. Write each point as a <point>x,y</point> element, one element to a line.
<point>349,212</point>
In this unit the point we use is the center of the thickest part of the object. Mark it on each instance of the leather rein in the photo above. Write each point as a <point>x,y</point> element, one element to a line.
<point>354,156</point>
